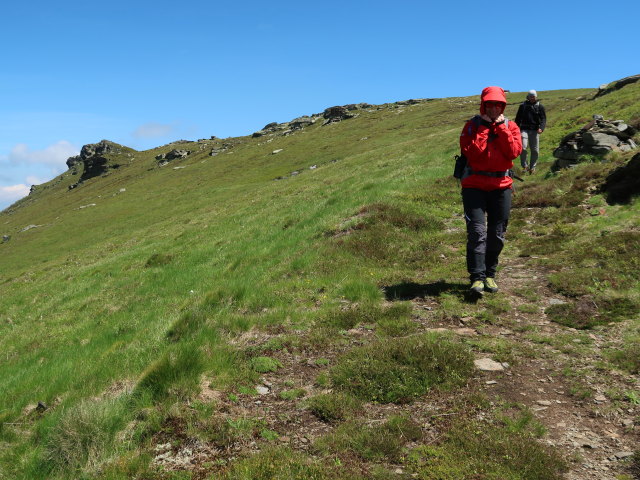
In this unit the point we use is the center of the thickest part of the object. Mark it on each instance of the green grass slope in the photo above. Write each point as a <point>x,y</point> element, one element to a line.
<point>130,289</point>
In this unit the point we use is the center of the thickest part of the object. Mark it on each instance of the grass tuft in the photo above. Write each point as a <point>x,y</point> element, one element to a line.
<point>402,369</point>
<point>366,313</point>
<point>265,364</point>
<point>159,260</point>
<point>176,374</point>
<point>83,435</point>
<point>188,324</point>
<point>293,394</point>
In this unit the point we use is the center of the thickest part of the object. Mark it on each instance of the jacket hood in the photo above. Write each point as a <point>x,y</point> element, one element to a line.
<point>492,94</point>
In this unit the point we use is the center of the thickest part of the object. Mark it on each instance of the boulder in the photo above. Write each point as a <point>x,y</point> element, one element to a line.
<point>488,365</point>
<point>165,158</point>
<point>591,139</point>
<point>336,114</point>
<point>173,154</point>
<point>597,138</point>
<point>272,127</point>
<point>358,106</point>
<point>301,122</point>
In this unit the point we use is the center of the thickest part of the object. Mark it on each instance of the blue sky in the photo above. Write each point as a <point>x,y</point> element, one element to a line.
<point>145,73</point>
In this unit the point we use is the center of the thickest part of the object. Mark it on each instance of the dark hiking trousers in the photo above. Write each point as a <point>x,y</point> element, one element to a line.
<point>487,216</point>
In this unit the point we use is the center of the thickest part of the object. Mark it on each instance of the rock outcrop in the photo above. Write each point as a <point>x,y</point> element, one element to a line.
<point>286,128</point>
<point>330,115</point>
<point>617,85</point>
<point>598,138</point>
<point>220,149</point>
<point>93,160</point>
<point>336,114</point>
<point>174,154</point>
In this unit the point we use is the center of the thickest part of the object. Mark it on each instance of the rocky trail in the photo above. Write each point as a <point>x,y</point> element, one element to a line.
<point>591,429</point>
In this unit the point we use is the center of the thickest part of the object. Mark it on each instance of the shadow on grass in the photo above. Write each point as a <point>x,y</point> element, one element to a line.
<point>411,290</point>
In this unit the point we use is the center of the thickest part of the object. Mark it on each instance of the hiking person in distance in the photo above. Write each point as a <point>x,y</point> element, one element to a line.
<point>532,120</point>
<point>490,143</point>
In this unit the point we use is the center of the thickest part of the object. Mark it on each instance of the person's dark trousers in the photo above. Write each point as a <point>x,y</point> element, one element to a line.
<point>487,216</point>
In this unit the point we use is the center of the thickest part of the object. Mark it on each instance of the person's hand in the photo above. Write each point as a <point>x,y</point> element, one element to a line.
<point>539,130</point>
<point>500,119</point>
<point>486,120</point>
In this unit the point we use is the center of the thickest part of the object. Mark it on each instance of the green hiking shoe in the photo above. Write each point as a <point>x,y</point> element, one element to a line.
<point>490,285</point>
<point>477,287</point>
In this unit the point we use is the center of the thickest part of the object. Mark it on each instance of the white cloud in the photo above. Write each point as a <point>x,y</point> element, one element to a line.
<point>153,130</point>
<point>33,180</point>
<point>54,156</point>
<point>12,193</point>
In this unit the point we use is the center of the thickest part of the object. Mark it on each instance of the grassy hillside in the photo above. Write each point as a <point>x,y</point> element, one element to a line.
<point>292,325</point>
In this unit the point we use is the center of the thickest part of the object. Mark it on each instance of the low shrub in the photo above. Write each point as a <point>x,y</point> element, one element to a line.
<point>333,407</point>
<point>587,312</point>
<point>372,443</point>
<point>474,450</point>
<point>388,214</point>
<point>627,356</point>
<point>278,464</point>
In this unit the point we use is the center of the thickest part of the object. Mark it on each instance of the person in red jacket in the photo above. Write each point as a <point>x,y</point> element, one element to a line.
<point>490,142</point>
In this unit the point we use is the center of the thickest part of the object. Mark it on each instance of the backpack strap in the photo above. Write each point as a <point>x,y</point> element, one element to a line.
<point>474,121</point>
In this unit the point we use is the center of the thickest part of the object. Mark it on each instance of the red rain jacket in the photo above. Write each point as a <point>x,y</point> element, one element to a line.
<point>490,149</point>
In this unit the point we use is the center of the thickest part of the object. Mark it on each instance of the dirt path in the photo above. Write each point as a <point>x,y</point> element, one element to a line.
<point>592,429</point>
